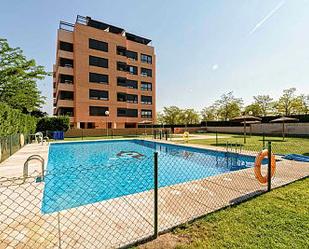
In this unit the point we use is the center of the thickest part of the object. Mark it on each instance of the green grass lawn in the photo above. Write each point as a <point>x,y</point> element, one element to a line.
<point>255,143</point>
<point>278,219</point>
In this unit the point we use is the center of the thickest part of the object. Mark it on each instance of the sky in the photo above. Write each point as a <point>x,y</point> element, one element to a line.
<point>203,48</point>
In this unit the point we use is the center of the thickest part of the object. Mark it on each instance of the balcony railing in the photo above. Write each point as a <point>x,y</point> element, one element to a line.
<point>66,26</point>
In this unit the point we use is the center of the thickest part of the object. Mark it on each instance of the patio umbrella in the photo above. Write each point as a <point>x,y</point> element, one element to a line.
<point>245,119</point>
<point>284,120</point>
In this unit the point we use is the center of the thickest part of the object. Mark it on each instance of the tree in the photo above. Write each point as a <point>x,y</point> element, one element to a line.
<point>209,113</point>
<point>264,102</point>
<point>228,106</point>
<point>18,77</point>
<point>61,123</point>
<point>170,115</point>
<point>189,116</point>
<point>289,103</point>
<point>253,108</point>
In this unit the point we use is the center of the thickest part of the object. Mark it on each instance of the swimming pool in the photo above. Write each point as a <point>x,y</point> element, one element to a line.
<point>80,173</point>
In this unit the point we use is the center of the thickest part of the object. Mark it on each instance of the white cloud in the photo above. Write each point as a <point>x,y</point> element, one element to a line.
<point>265,18</point>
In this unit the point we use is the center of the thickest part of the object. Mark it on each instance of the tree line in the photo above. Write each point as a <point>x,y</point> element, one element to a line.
<point>228,107</point>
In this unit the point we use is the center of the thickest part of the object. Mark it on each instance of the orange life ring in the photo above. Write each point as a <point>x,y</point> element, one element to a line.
<point>258,164</point>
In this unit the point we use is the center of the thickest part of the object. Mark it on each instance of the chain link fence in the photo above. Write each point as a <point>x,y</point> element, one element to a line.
<point>133,197</point>
<point>11,144</point>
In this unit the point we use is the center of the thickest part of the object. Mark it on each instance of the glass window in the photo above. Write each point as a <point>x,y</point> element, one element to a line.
<point>98,78</point>
<point>64,62</point>
<point>121,50</point>
<point>97,110</point>
<point>146,72</point>
<point>129,98</point>
<point>66,95</point>
<point>98,94</point>
<point>146,86</point>
<point>98,45</point>
<point>123,112</point>
<point>146,113</point>
<point>66,79</point>
<point>132,69</point>
<point>146,58</point>
<point>147,100</point>
<point>98,61</point>
<point>66,46</point>
<point>132,55</point>
<point>121,66</point>
<point>66,111</point>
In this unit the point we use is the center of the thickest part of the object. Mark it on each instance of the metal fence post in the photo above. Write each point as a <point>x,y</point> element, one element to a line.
<point>10,145</point>
<point>269,167</point>
<point>155,213</point>
<point>216,138</point>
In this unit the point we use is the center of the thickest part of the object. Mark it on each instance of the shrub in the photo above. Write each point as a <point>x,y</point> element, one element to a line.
<point>13,121</point>
<point>61,123</point>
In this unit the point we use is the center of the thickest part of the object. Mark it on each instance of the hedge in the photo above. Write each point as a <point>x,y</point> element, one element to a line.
<point>61,123</point>
<point>13,121</point>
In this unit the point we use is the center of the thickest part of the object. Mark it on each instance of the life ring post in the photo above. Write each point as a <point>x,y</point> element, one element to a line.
<point>271,166</point>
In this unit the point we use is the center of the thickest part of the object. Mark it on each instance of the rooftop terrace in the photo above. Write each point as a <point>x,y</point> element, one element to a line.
<point>88,21</point>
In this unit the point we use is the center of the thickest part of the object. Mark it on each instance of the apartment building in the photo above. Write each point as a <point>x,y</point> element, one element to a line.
<point>104,76</point>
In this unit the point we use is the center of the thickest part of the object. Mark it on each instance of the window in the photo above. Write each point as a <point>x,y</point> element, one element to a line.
<point>121,50</point>
<point>97,110</point>
<point>98,78</point>
<point>98,61</point>
<point>66,79</point>
<point>129,98</point>
<point>146,72</point>
<point>90,125</point>
<point>146,58</point>
<point>66,95</point>
<point>132,84</point>
<point>66,46</point>
<point>132,55</point>
<point>97,94</point>
<point>146,114</point>
<point>66,62</point>
<point>123,112</point>
<point>147,100</point>
<point>98,45</point>
<point>126,83</point>
<point>66,111</point>
<point>132,69</point>
<point>121,66</point>
<point>124,52</point>
<point>146,86</point>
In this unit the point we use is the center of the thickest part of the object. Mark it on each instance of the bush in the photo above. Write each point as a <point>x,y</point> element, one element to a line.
<point>13,121</point>
<point>61,123</point>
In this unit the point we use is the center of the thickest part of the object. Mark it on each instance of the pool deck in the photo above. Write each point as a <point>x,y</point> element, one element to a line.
<point>120,221</point>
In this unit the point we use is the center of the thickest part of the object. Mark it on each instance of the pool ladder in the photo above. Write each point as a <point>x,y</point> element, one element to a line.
<point>235,148</point>
<point>26,166</point>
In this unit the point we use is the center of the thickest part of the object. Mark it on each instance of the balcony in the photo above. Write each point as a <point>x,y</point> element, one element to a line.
<point>122,66</point>
<point>66,62</point>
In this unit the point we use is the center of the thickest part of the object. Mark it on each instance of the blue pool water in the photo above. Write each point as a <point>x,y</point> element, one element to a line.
<point>80,173</point>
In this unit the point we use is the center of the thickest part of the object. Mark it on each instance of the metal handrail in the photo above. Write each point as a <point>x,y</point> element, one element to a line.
<point>26,165</point>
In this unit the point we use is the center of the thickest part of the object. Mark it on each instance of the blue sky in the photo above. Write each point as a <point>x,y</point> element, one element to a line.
<point>204,48</point>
